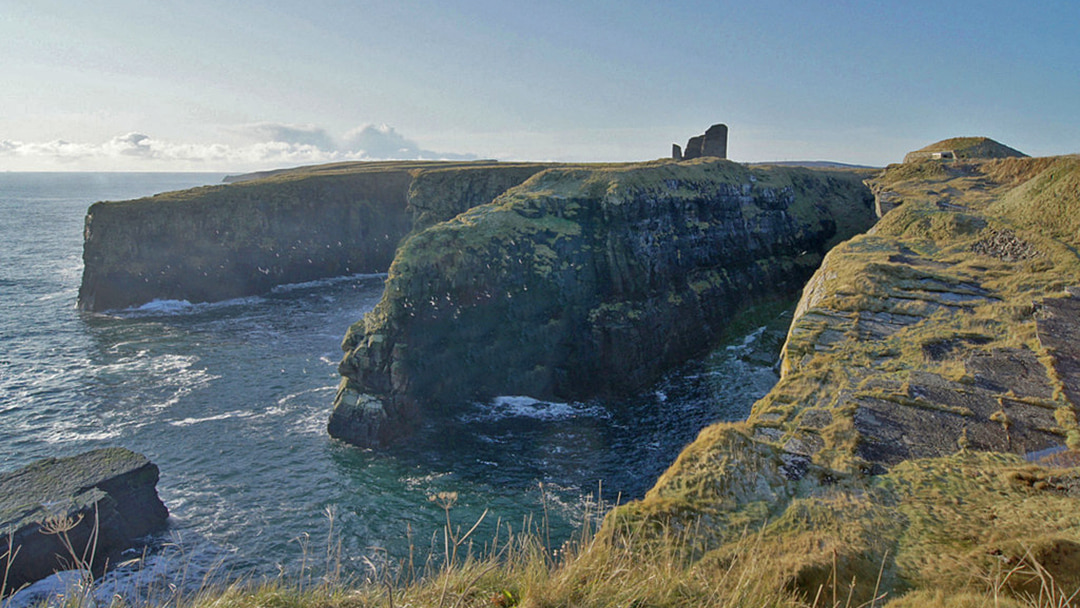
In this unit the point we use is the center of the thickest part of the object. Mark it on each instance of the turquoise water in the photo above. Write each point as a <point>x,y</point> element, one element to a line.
<point>231,401</point>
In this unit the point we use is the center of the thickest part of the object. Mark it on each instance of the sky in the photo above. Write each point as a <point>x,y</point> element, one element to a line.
<point>207,85</point>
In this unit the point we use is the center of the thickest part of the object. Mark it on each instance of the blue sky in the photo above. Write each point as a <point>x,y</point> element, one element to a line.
<point>228,86</point>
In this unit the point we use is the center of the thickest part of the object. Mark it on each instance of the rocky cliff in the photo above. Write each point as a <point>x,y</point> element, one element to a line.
<point>100,502</point>
<point>922,437</point>
<point>585,281</point>
<point>222,242</point>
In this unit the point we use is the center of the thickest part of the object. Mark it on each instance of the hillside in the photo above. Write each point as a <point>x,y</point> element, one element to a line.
<point>918,440</point>
<point>965,148</point>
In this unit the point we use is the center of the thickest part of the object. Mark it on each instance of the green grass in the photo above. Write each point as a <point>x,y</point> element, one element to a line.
<point>725,527</point>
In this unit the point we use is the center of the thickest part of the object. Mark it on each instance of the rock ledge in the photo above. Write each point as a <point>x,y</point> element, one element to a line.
<point>113,488</point>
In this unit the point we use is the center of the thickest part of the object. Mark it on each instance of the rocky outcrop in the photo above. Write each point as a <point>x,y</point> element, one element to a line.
<point>101,502</point>
<point>584,282</point>
<point>923,436</point>
<point>933,314</point>
<point>223,242</point>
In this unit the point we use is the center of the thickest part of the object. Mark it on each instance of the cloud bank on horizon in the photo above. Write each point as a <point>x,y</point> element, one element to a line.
<point>265,145</point>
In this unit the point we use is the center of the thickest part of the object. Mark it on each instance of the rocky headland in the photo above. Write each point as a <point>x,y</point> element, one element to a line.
<point>585,281</point>
<point>58,512</point>
<point>241,239</point>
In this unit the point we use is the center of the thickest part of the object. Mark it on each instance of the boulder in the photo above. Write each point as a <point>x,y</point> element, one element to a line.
<point>100,502</point>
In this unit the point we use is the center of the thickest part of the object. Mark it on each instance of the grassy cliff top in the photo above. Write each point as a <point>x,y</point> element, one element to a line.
<point>375,166</point>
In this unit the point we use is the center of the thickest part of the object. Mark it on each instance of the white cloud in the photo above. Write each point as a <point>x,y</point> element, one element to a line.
<point>304,135</point>
<point>270,145</point>
<point>382,141</point>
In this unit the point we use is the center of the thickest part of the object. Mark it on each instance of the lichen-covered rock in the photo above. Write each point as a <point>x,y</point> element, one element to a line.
<point>104,499</point>
<point>921,337</point>
<point>221,242</point>
<point>587,281</point>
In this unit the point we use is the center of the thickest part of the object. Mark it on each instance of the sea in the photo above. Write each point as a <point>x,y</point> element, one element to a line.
<point>231,400</point>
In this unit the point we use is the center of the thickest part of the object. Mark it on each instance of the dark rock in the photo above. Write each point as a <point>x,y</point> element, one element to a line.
<point>106,499</point>
<point>935,416</point>
<point>1005,245</point>
<point>676,152</point>
<point>890,334</point>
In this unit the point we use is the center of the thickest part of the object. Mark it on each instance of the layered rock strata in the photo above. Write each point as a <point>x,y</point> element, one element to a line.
<point>923,436</point>
<point>99,502</point>
<point>585,282</point>
<point>221,242</point>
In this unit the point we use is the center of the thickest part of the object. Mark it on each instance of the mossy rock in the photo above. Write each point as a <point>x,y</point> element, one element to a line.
<point>594,280</point>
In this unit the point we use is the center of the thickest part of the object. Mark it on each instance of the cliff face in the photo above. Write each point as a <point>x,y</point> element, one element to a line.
<point>922,438</point>
<point>223,242</point>
<point>583,282</point>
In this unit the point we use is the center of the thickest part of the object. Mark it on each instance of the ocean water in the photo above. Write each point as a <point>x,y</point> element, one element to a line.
<point>231,400</point>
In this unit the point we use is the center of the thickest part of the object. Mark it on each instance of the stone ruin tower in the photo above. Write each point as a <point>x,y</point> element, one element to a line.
<point>712,143</point>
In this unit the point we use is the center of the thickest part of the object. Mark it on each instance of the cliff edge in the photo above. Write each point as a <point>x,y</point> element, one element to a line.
<point>921,444</point>
<point>220,242</point>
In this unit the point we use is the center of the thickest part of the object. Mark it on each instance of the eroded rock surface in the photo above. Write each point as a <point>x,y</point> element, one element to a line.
<point>922,337</point>
<point>923,437</point>
<point>104,499</point>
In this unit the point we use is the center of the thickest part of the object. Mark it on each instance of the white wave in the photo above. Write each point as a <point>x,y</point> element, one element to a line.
<point>168,307</point>
<point>287,399</point>
<point>54,590</point>
<point>501,408</point>
<point>169,377</point>
<point>157,579</point>
<point>423,482</point>
<point>749,339</point>
<point>64,432</point>
<point>225,416</point>
<point>311,424</point>
<point>165,307</point>
<point>155,308</point>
